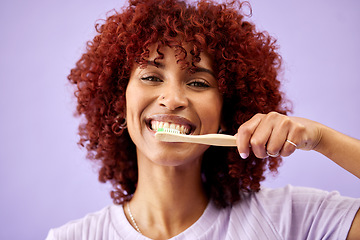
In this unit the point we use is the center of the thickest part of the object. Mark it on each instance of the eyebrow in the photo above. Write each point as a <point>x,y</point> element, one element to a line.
<point>196,69</point>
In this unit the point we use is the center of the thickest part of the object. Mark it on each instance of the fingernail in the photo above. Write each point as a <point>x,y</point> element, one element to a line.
<point>244,155</point>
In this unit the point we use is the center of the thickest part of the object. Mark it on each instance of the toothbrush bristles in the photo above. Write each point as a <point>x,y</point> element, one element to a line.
<point>168,130</point>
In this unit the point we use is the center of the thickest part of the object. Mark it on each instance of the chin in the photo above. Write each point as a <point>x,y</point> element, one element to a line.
<point>178,156</point>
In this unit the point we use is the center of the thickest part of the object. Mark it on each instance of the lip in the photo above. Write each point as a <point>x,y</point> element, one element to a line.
<point>170,118</point>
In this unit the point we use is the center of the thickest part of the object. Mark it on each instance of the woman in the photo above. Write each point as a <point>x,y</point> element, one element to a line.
<point>201,69</point>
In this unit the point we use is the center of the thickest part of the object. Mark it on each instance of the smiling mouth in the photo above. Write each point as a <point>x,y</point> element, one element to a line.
<point>182,128</point>
<point>170,121</point>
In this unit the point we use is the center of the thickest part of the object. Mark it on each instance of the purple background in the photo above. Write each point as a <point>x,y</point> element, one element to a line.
<point>45,179</point>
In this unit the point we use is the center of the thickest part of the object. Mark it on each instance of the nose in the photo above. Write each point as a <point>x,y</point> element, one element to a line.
<point>173,98</point>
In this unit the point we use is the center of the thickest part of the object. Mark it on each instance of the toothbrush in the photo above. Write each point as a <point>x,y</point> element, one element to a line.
<point>173,135</point>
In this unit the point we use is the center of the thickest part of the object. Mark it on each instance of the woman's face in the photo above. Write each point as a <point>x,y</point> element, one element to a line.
<point>164,94</point>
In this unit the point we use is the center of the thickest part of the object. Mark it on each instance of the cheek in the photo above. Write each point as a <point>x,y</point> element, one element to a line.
<point>137,100</point>
<point>134,99</point>
<point>133,108</point>
<point>210,112</point>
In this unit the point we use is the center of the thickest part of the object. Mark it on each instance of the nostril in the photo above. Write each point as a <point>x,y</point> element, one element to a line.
<point>173,101</point>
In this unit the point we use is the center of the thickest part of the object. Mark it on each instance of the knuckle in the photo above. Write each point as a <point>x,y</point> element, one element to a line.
<point>300,130</point>
<point>258,147</point>
<point>272,115</point>
<point>259,115</point>
<point>244,130</point>
<point>255,142</point>
<point>285,122</point>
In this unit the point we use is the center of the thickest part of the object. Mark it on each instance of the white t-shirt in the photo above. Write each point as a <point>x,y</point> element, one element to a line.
<point>285,213</point>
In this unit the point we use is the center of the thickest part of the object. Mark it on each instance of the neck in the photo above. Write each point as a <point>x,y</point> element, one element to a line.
<point>168,199</point>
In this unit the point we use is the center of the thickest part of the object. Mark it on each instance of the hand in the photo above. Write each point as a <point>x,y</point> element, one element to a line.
<point>275,134</point>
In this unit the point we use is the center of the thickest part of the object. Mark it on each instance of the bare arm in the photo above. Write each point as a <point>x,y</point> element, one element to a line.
<point>271,133</point>
<point>345,151</point>
<point>354,232</point>
<point>342,149</point>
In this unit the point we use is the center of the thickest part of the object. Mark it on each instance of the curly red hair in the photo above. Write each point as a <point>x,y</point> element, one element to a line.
<point>246,65</point>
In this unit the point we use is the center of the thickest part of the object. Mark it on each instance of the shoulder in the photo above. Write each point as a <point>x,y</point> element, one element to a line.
<point>298,198</point>
<point>290,195</point>
<point>93,224</point>
<point>293,211</point>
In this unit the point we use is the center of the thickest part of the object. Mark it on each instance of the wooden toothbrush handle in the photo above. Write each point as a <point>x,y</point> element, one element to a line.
<point>214,139</point>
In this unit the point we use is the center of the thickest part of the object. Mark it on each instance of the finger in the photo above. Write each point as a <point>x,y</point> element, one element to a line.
<point>288,148</point>
<point>293,139</point>
<point>260,138</point>
<point>269,136</point>
<point>244,134</point>
<point>290,145</point>
<point>276,141</point>
<point>279,135</point>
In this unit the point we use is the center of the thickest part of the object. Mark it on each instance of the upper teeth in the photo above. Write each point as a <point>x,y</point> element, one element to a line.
<point>184,129</point>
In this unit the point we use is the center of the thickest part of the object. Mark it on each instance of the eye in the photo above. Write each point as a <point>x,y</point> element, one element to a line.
<point>151,79</point>
<point>199,84</point>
